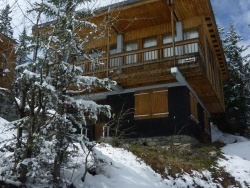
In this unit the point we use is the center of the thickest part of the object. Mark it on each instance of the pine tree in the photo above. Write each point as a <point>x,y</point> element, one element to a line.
<point>5,22</point>
<point>247,81</point>
<point>22,48</point>
<point>235,89</point>
<point>46,128</point>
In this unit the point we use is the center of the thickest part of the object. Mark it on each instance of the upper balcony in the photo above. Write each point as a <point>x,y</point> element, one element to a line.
<point>151,66</point>
<point>119,65</point>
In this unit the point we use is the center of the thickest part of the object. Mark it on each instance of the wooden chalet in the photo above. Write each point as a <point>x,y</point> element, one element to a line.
<point>7,59</point>
<point>167,59</point>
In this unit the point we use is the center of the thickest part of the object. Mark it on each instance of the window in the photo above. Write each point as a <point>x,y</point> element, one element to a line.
<point>133,58</point>
<point>112,50</point>
<point>160,103</point>
<point>151,104</point>
<point>152,54</point>
<point>95,53</point>
<point>116,61</point>
<point>92,66</point>
<point>194,108</point>
<point>94,56</point>
<point>168,52</point>
<point>191,34</point>
<point>167,39</point>
<point>80,58</point>
<point>131,46</point>
<point>142,106</point>
<point>149,42</point>
<point>83,68</point>
<point>191,48</point>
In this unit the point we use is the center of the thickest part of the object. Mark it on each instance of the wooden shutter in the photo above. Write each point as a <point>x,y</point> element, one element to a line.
<point>159,104</point>
<point>194,108</point>
<point>142,106</point>
<point>151,104</point>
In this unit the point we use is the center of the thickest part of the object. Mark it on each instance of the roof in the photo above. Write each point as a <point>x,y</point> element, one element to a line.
<point>8,38</point>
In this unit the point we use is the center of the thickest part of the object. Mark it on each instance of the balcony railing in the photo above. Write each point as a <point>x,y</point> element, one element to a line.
<point>185,52</point>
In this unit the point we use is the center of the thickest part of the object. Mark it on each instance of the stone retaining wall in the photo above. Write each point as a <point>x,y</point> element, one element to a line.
<point>160,141</point>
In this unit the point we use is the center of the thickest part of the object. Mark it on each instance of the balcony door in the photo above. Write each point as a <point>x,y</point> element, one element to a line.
<point>191,48</point>
<point>131,58</point>
<point>150,54</point>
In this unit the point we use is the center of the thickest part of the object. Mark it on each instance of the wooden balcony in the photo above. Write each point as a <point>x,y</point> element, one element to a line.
<point>151,66</point>
<point>188,51</point>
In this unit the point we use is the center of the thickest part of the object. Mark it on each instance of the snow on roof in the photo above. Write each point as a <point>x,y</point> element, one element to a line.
<point>11,39</point>
<point>100,4</point>
<point>95,5</point>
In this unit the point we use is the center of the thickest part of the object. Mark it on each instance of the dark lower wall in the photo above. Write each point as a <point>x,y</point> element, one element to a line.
<point>178,121</point>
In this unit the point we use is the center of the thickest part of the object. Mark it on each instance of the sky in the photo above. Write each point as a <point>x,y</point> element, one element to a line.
<point>236,12</point>
<point>226,12</point>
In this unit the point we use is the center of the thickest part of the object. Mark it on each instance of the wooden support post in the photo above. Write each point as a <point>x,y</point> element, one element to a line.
<point>108,47</point>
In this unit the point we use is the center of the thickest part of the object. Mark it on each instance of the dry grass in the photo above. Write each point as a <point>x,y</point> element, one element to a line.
<point>178,161</point>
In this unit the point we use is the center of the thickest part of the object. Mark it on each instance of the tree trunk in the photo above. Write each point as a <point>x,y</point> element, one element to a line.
<point>57,169</point>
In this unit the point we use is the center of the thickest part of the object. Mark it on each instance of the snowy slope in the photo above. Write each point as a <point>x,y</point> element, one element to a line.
<point>5,134</point>
<point>120,168</point>
<point>237,154</point>
<point>124,170</point>
<point>217,135</point>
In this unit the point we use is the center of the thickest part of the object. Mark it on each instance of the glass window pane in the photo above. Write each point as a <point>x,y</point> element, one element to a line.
<point>131,46</point>
<point>168,39</point>
<point>112,50</point>
<point>149,42</point>
<point>191,35</point>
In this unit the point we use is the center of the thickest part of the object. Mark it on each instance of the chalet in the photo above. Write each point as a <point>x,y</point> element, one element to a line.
<point>7,65</point>
<point>7,59</point>
<point>167,59</point>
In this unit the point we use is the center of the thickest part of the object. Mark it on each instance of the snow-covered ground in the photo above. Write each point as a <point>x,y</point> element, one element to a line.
<point>237,153</point>
<point>122,169</point>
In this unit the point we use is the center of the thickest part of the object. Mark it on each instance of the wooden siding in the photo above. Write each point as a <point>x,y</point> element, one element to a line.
<point>194,108</point>
<point>7,60</point>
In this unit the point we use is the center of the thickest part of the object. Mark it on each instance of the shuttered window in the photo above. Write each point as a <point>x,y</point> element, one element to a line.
<point>142,105</point>
<point>151,104</point>
<point>194,108</point>
<point>160,104</point>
